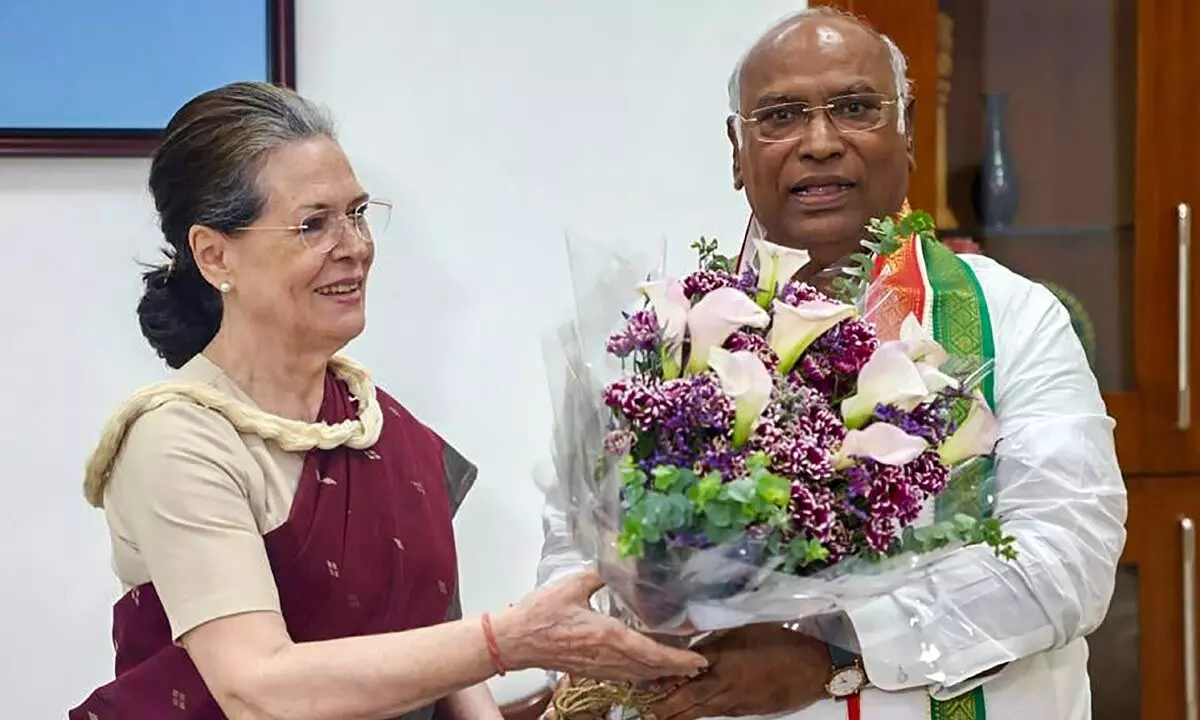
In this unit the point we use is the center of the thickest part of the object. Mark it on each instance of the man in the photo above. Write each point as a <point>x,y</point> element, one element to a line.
<point>821,143</point>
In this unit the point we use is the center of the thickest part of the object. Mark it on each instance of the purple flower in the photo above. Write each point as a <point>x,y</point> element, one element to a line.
<point>618,442</point>
<point>928,474</point>
<point>719,455</point>
<point>930,421</point>
<point>799,434</point>
<point>795,293</point>
<point>640,333</point>
<point>833,362</point>
<point>839,542</point>
<point>641,403</point>
<point>747,282</point>
<point>702,282</point>
<point>680,414</point>
<point>755,343</point>
<point>812,510</point>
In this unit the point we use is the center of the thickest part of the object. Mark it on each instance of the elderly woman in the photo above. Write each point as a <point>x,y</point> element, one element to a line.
<point>281,526</point>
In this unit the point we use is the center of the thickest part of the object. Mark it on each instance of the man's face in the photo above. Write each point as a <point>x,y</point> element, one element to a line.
<point>818,191</point>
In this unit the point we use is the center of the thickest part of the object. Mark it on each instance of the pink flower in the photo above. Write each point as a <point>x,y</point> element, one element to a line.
<point>881,442</point>
<point>715,318</point>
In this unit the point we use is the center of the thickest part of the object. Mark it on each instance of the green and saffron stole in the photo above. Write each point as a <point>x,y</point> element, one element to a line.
<point>926,279</point>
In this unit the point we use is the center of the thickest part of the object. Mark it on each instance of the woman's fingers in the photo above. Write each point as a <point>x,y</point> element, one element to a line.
<point>661,659</point>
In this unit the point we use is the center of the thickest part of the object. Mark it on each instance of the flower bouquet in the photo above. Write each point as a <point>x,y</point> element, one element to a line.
<point>751,449</point>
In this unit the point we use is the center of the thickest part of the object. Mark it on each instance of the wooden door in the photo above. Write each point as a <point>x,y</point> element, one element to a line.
<point>1140,655</point>
<point>1100,99</point>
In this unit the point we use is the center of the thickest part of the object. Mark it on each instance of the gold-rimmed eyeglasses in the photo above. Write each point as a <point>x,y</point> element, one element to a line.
<point>322,231</point>
<point>855,113</point>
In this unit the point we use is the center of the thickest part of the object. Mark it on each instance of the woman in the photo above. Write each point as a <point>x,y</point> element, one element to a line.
<point>283,528</point>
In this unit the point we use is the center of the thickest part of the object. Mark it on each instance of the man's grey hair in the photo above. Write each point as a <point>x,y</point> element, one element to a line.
<point>899,63</point>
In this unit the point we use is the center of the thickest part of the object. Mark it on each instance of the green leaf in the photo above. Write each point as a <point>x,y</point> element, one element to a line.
<point>964,523</point>
<point>665,477</point>
<point>634,494</point>
<point>741,491</point>
<point>801,552</point>
<point>706,490</point>
<point>631,474</point>
<point>815,552</point>
<point>775,490</point>
<point>757,462</point>
<point>720,535</point>
<point>630,542</point>
<point>720,513</point>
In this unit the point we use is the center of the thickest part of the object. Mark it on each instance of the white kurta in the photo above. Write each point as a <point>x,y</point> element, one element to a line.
<point>1059,493</point>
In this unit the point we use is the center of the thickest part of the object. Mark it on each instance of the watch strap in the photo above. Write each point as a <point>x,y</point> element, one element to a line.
<point>836,634</point>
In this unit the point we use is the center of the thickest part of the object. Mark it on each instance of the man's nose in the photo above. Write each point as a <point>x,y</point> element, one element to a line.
<point>821,140</point>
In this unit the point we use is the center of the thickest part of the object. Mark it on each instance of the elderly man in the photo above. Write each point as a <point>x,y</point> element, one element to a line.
<point>821,143</point>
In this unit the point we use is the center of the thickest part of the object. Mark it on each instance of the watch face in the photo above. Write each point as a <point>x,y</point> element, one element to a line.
<point>845,681</point>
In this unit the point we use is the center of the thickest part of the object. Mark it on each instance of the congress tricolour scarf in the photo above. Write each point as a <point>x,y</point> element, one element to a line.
<point>925,278</point>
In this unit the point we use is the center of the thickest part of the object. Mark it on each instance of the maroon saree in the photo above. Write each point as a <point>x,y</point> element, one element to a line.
<point>367,548</point>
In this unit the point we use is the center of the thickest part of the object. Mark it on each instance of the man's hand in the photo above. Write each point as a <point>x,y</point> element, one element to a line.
<point>754,670</point>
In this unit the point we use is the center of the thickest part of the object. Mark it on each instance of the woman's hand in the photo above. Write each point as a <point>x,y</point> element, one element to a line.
<point>554,628</point>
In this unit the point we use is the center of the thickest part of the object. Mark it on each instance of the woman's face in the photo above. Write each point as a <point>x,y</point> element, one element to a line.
<point>282,289</point>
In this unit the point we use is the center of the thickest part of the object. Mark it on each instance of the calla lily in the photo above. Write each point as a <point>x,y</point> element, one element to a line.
<point>671,306</point>
<point>776,266</point>
<point>890,377</point>
<point>935,380</point>
<point>714,319</point>
<point>747,381</point>
<point>920,343</point>
<point>882,442</point>
<point>798,326</point>
<point>976,436</point>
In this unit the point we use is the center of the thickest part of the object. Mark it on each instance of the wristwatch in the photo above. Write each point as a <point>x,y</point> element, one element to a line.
<point>847,677</point>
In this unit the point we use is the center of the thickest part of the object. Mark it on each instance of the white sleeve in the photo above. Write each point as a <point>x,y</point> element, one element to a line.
<point>559,556</point>
<point>1059,493</point>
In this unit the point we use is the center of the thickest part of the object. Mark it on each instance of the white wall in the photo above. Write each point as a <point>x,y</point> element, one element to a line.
<point>495,126</point>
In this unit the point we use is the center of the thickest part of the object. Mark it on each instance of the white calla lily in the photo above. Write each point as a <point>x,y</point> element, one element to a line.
<point>935,380</point>
<point>920,343</point>
<point>671,306</point>
<point>714,318</point>
<point>976,436</point>
<point>890,377</point>
<point>882,442</point>
<point>747,381</point>
<point>795,327</point>
<point>776,266</point>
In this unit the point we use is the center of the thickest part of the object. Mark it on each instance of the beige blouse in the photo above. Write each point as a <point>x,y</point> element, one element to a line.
<point>188,502</point>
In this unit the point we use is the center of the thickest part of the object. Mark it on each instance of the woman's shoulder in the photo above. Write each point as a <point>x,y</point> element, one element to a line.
<point>166,425</point>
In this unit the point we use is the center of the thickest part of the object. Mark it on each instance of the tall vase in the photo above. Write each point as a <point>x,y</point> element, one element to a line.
<point>997,191</point>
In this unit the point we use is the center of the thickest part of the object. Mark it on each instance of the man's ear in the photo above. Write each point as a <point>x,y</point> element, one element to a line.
<point>910,126</point>
<point>732,134</point>
<point>210,249</point>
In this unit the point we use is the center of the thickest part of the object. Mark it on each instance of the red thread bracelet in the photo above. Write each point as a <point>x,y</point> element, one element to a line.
<point>493,648</point>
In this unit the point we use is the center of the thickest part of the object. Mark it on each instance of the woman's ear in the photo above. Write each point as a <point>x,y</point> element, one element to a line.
<point>210,249</point>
